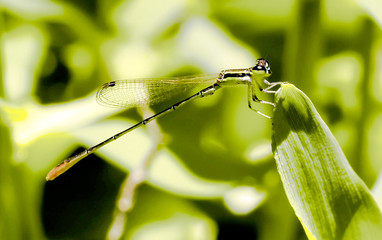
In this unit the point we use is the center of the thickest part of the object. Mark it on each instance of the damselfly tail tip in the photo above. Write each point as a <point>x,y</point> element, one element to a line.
<point>51,175</point>
<point>56,171</point>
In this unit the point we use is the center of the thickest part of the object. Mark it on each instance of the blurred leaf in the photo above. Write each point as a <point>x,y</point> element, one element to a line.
<point>19,214</point>
<point>32,120</point>
<point>329,199</point>
<point>157,215</point>
<point>32,10</point>
<point>339,77</point>
<point>24,47</point>
<point>128,12</point>
<point>179,226</point>
<point>373,7</point>
<point>243,199</point>
<point>9,226</point>
<point>377,191</point>
<point>212,42</point>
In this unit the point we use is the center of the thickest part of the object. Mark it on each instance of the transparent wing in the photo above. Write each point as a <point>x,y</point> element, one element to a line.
<point>148,91</point>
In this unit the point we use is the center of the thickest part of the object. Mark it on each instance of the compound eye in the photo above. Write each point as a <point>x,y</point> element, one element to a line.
<point>262,62</point>
<point>262,65</point>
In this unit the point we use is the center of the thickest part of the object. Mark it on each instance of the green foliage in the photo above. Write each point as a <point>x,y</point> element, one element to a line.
<point>208,167</point>
<point>329,199</point>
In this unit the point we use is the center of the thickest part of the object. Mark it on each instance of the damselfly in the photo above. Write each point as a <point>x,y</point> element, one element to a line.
<point>123,93</point>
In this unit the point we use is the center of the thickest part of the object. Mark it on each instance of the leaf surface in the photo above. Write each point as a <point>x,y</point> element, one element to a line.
<point>329,199</point>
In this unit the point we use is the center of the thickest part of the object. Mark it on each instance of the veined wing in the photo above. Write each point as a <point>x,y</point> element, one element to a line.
<point>149,91</point>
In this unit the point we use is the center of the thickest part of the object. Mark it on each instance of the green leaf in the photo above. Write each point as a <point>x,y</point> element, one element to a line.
<point>329,199</point>
<point>168,217</point>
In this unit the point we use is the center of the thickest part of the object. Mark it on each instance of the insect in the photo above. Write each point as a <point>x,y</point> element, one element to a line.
<point>123,93</point>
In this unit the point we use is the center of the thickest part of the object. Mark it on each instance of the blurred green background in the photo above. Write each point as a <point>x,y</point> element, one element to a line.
<point>208,167</point>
